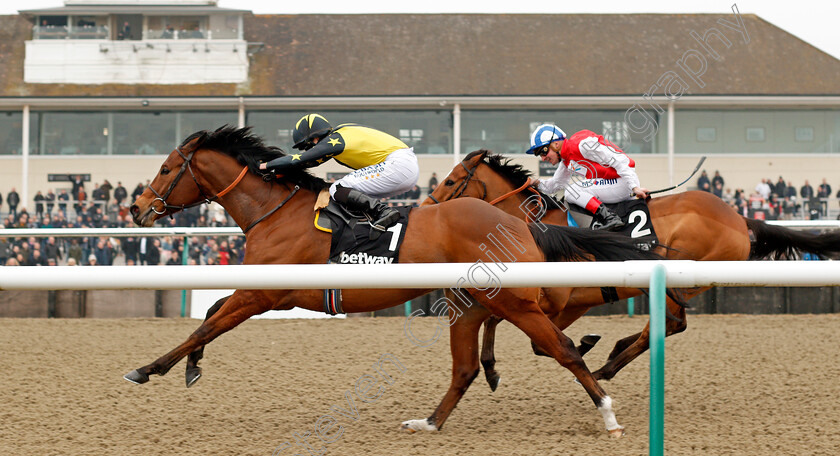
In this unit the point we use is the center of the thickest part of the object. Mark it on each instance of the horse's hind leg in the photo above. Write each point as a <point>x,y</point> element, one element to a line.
<point>193,371</point>
<point>545,334</point>
<point>642,342</point>
<point>463,343</point>
<point>488,357</point>
<point>239,307</point>
<point>622,345</point>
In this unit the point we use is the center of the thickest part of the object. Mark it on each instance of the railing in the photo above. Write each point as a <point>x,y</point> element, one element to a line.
<point>633,274</point>
<point>236,231</point>
<point>61,32</point>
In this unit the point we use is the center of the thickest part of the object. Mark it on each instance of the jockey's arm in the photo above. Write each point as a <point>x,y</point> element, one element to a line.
<point>557,182</point>
<point>306,159</point>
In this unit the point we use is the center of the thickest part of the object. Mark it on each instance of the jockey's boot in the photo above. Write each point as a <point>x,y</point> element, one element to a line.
<point>609,220</point>
<point>380,214</point>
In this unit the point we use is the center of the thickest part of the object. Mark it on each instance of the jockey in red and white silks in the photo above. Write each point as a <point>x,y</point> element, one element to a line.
<point>593,171</point>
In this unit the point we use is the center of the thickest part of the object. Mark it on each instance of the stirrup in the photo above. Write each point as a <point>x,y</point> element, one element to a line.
<point>610,226</point>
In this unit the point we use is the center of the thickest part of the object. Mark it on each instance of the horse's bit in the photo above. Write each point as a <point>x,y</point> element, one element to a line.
<point>187,167</point>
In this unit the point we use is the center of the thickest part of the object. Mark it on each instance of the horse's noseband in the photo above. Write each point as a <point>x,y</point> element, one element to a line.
<point>186,167</point>
<point>460,189</point>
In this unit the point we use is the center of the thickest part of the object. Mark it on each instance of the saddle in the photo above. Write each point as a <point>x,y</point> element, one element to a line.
<point>634,213</point>
<point>355,242</point>
<point>352,239</point>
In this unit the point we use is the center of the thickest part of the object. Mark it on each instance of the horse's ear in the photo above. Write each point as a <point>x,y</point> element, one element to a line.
<point>476,156</point>
<point>195,143</point>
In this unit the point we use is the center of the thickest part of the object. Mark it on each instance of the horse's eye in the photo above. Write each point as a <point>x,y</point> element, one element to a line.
<point>449,182</point>
<point>164,171</point>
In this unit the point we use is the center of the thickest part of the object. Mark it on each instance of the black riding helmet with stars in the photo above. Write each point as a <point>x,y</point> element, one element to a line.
<point>309,127</point>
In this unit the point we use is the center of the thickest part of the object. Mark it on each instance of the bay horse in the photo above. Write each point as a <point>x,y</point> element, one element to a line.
<point>694,225</point>
<point>225,163</point>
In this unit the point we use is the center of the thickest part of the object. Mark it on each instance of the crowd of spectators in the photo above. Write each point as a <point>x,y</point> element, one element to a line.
<point>107,207</point>
<point>779,200</point>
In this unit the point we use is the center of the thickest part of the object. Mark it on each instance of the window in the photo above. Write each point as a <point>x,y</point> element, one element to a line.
<point>177,27</point>
<point>429,132</point>
<point>50,28</point>
<point>804,134</point>
<point>88,27</point>
<point>11,127</point>
<point>72,133</point>
<point>757,131</point>
<point>144,133</point>
<point>508,132</point>
<point>116,133</point>
<point>706,134</point>
<point>755,134</point>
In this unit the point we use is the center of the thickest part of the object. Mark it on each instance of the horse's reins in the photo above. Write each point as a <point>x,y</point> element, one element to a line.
<point>186,166</point>
<point>471,172</point>
<point>463,187</point>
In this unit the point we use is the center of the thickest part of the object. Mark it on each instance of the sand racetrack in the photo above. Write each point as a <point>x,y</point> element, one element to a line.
<point>736,385</point>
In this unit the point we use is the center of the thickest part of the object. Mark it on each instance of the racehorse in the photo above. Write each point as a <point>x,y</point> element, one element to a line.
<point>694,225</point>
<point>225,164</point>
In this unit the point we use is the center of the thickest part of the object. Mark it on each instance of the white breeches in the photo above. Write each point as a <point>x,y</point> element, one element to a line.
<point>397,174</point>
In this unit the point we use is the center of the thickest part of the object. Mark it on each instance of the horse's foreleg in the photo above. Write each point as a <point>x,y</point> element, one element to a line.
<point>463,343</point>
<point>641,343</point>
<point>193,371</point>
<point>488,357</point>
<point>546,335</point>
<point>570,314</point>
<point>239,307</point>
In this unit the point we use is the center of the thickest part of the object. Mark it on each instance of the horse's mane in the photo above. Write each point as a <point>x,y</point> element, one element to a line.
<point>250,150</point>
<point>516,174</point>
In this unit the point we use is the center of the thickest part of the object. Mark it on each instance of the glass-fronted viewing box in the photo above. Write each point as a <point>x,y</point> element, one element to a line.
<point>428,131</point>
<point>138,27</point>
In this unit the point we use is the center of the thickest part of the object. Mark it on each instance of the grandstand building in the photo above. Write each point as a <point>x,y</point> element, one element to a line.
<point>106,88</point>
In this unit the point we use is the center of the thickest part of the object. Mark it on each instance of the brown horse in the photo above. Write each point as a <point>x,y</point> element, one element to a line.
<point>225,164</point>
<point>695,225</point>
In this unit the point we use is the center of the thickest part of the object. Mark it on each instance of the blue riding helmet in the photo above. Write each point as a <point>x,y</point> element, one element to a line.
<point>544,135</point>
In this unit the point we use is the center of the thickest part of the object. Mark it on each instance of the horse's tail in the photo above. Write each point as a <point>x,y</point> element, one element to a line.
<point>561,243</point>
<point>777,241</point>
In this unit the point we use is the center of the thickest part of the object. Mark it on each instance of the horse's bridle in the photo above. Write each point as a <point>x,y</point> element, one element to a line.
<point>470,172</point>
<point>187,167</point>
<point>463,186</point>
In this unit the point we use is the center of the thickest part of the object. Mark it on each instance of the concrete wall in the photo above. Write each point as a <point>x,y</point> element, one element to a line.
<point>142,303</point>
<point>135,62</point>
<point>92,304</point>
<point>746,300</point>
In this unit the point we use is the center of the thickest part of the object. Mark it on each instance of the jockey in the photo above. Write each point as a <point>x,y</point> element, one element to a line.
<point>594,171</point>
<point>384,165</point>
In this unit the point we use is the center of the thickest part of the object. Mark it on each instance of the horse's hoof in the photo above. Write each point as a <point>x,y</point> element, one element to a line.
<point>587,342</point>
<point>493,381</point>
<point>413,426</point>
<point>136,377</point>
<point>192,376</point>
<point>617,433</point>
<point>590,339</point>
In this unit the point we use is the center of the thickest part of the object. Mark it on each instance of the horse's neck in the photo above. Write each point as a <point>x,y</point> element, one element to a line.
<point>516,206</point>
<point>254,198</point>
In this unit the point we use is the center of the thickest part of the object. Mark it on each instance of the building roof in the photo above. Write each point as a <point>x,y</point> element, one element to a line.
<point>482,55</point>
